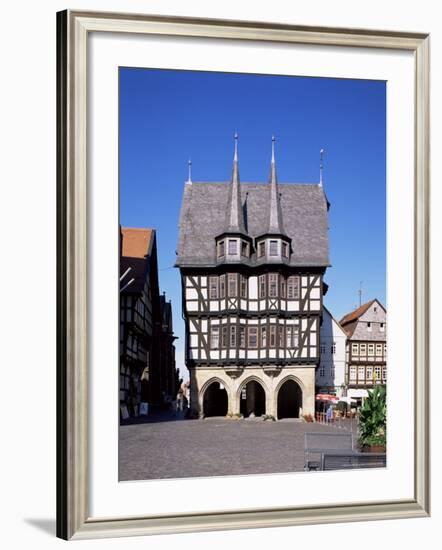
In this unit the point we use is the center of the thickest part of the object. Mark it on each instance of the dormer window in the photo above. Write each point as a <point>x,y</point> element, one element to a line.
<point>244,249</point>
<point>261,249</point>
<point>221,249</point>
<point>285,250</point>
<point>273,248</point>
<point>233,247</point>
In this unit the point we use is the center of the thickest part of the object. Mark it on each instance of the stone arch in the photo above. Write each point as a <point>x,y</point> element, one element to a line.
<point>289,396</point>
<point>217,402</point>
<point>257,398</point>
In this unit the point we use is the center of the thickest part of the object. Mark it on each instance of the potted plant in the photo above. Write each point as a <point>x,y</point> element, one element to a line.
<point>373,421</point>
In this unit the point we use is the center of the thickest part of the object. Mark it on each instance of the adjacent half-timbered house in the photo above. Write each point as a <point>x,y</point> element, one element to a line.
<point>147,359</point>
<point>252,257</point>
<point>168,373</point>
<point>366,329</point>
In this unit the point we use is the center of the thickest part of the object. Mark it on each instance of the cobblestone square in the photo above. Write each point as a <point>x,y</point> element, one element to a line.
<point>177,448</point>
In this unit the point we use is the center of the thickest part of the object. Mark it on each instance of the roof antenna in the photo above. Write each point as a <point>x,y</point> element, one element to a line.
<point>321,166</point>
<point>360,293</point>
<point>189,178</point>
<point>273,149</point>
<point>235,156</point>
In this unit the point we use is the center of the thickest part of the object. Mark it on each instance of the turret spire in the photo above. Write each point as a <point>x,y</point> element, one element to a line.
<point>275,221</point>
<point>235,217</point>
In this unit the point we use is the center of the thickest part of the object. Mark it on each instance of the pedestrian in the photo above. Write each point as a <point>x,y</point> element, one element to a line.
<point>329,414</point>
<point>179,400</point>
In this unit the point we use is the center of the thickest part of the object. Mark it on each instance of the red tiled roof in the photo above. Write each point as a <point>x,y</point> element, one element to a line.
<point>136,247</point>
<point>136,241</point>
<point>353,315</point>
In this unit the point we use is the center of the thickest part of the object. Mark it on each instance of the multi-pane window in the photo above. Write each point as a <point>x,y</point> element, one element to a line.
<point>273,285</point>
<point>263,336</point>
<point>282,286</point>
<point>232,336</point>
<point>355,348</point>
<point>214,337</point>
<point>370,349</point>
<point>370,374</point>
<point>244,249</point>
<point>262,286</point>
<point>363,349</point>
<point>224,337</point>
<point>321,371</point>
<point>322,349</point>
<point>213,286</point>
<point>233,246</point>
<point>222,286</point>
<point>272,336</point>
<point>233,285</point>
<point>292,336</point>
<point>273,248</point>
<point>378,349</point>
<point>377,372</point>
<point>261,249</point>
<point>285,250</point>
<point>221,249</point>
<point>253,337</point>
<point>293,287</point>
<point>281,336</point>
<point>384,373</point>
<point>361,374</point>
<point>333,348</point>
<point>243,286</point>
<point>352,373</point>
<point>242,337</point>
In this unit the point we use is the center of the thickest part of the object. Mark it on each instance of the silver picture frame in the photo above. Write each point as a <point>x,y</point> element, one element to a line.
<point>73,517</point>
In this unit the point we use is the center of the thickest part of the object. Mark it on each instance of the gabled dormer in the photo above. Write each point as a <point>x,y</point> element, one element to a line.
<point>274,246</point>
<point>234,245</point>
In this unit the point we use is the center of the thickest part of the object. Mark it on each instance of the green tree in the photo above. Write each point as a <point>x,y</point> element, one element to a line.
<point>373,418</point>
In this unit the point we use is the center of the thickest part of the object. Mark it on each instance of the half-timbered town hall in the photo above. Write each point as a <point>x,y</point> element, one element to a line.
<point>252,257</point>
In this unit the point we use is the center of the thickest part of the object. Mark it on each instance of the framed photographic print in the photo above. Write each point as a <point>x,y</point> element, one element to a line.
<point>242,275</point>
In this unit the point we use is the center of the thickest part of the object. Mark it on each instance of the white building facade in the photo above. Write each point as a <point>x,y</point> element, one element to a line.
<point>330,376</point>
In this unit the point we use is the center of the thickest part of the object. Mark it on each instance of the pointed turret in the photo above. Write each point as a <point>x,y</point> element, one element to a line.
<point>275,220</point>
<point>235,216</point>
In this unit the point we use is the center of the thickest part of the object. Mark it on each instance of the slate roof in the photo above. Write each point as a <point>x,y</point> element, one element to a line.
<point>203,215</point>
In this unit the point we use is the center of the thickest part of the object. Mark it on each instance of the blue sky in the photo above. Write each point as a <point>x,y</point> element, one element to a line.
<point>167,117</point>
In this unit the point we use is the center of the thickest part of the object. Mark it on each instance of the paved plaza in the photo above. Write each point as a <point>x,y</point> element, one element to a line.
<point>167,447</point>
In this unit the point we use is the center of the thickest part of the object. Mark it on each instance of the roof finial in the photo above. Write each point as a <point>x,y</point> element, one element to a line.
<point>273,149</point>
<point>189,178</point>
<point>321,166</point>
<point>235,156</point>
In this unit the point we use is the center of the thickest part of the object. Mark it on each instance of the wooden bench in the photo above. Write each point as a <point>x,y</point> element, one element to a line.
<point>317,444</point>
<point>342,461</point>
